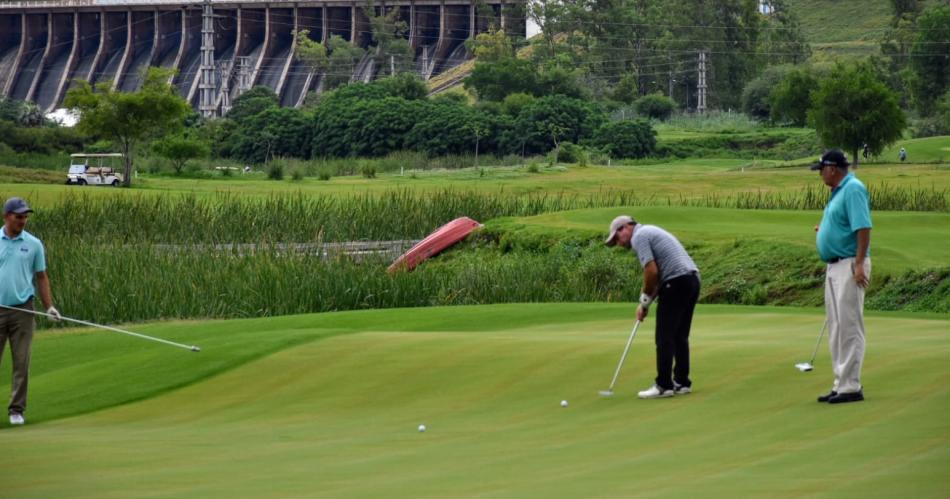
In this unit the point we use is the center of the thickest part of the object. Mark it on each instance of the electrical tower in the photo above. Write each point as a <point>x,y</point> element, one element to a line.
<point>206,87</point>
<point>701,105</point>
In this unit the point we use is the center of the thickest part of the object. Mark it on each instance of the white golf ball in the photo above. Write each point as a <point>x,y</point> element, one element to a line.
<point>422,428</point>
<point>563,403</point>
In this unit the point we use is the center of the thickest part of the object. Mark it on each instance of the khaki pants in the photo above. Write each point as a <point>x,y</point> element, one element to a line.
<point>844,305</point>
<point>17,328</point>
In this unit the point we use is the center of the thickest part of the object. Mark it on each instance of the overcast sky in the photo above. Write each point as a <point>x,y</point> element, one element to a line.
<point>532,28</point>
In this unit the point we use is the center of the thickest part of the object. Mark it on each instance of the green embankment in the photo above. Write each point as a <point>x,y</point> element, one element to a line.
<point>334,412</point>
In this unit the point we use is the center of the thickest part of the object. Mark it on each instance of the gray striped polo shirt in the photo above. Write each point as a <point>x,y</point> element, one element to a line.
<point>655,244</point>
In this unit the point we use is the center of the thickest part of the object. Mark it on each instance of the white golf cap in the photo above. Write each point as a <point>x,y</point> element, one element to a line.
<point>616,225</point>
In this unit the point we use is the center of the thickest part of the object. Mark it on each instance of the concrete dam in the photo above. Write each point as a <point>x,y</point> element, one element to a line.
<point>45,45</point>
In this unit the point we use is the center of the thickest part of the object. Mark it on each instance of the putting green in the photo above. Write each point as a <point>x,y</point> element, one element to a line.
<point>328,405</point>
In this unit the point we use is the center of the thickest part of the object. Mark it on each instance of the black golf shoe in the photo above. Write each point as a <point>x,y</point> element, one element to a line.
<point>842,398</point>
<point>828,396</point>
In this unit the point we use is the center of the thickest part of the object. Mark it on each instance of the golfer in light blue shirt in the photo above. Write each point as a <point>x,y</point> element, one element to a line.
<point>844,243</point>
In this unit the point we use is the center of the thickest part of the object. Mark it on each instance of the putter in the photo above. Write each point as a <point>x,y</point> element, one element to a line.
<point>193,348</point>
<point>808,366</point>
<point>609,392</point>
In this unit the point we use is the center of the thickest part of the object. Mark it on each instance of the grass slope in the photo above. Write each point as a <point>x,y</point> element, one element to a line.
<point>900,240</point>
<point>338,417</point>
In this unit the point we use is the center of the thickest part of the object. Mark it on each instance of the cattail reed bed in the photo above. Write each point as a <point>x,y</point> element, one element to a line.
<point>396,214</point>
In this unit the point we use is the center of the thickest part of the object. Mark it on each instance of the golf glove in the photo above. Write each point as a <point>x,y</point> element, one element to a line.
<point>645,300</point>
<point>54,314</point>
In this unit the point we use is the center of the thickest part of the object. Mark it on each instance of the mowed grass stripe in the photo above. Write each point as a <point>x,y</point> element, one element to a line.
<point>338,417</point>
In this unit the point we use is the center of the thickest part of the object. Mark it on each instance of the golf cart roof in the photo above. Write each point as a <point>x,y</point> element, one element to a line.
<point>96,155</point>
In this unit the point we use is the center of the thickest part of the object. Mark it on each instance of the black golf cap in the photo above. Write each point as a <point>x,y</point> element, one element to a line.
<point>833,157</point>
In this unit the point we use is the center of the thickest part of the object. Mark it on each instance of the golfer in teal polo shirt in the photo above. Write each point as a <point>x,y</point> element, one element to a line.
<point>22,263</point>
<point>844,243</point>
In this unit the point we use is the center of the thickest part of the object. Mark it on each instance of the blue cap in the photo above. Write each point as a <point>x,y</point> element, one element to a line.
<point>16,205</point>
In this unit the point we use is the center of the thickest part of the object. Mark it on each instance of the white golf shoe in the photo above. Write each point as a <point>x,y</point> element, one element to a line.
<point>655,392</point>
<point>681,389</point>
<point>16,419</point>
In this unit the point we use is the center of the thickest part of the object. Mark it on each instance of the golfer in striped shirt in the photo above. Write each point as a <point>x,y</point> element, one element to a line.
<point>672,279</point>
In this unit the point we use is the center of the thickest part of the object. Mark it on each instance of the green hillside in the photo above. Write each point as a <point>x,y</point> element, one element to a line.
<point>328,406</point>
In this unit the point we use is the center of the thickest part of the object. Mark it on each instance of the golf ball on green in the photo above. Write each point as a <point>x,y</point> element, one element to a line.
<point>422,428</point>
<point>563,403</point>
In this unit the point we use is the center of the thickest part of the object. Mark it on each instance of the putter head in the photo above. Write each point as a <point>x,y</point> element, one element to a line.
<point>804,366</point>
<point>606,393</point>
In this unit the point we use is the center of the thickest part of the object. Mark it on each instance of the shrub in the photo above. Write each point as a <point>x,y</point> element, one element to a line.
<point>570,153</point>
<point>297,174</point>
<point>656,106</point>
<point>275,170</point>
<point>368,170</point>
<point>627,139</point>
<point>325,173</point>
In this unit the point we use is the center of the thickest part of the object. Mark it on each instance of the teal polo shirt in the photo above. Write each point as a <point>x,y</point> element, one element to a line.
<point>847,212</point>
<point>20,259</point>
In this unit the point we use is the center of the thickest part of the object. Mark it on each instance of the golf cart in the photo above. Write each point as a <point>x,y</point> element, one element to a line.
<point>94,169</point>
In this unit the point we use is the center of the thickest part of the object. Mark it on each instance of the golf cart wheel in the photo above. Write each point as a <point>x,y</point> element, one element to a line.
<point>115,183</point>
<point>82,182</point>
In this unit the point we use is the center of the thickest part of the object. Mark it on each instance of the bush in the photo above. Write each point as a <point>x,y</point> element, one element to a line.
<point>297,174</point>
<point>627,139</point>
<point>656,106</point>
<point>570,153</point>
<point>275,170</point>
<point>533,168</point>
<point>368,170</point>
<point>325,173</point>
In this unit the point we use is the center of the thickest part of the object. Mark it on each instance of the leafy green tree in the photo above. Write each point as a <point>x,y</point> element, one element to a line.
<point>515,103</point>
<point>391,48</point>
<point>627,139</point>
<point>341,62</point>
<point>852,107</point>
<point>755,96</point>
<point>405,85</point>
<point>179,149</point>
<point>274,132</point>
<point>496,80</point>
<point>551,120</point>
<point>930,58</point>
<point>130,118</point>
<point>492,46</point>
<point>443,128</point>
<point>379,127</point>
<point>255,101</point>
<point>790,99</point>
<point>656,106</point>
<point>311,52</point>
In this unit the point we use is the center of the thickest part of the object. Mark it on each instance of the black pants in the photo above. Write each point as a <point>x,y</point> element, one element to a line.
<point>674,316</point>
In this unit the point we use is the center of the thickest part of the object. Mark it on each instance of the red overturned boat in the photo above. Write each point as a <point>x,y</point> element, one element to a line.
<point>442,238</point>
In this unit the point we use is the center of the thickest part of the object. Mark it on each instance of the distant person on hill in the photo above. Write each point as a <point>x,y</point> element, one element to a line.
<point>867,151</point>
<point>844,242</point>
<point>902,154</point>
<point>671,278</point>
<point>22,275</point>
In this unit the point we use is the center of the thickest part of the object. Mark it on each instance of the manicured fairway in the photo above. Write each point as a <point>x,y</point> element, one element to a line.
<point>328,405</point>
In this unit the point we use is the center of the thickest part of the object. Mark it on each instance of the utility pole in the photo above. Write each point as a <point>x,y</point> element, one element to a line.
<point>225,78</point>
<point>701,105</point>
<point>392,65</point>
<point>244,74</point>
<point>206,85</point>
<point>669,61</point>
